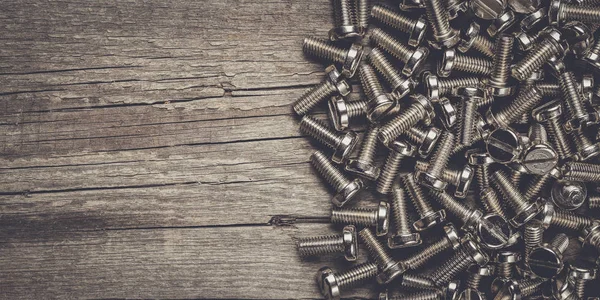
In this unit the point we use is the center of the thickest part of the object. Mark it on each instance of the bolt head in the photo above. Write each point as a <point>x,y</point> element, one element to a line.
<point>486,238</point>
<point>478,255</point>
<point>431,136</point>
<point>380,107</point>
<point>524,6</point>
<point>404,240</point>
<point>588,233</point>
<point>451,290</point>
<point>344,33</point>
<point>509,257</point>
<point>502,23</point>
<point>345,147</point>
<point>404,88</point>
<point>525,41</point>
<point>589,152</point>
<point>353,59</point>
<point>579,37</point>
<point>476,157</point>
<point>431,181</point>
<point>550,110</point>
<point>347,193</point>
<point>464,183</point>
<point>415,62</point>
<point>452,235</point>
<point>350,242</point>
<point>568,195</point>
<point>593,58</point>
<point>532,210</point>
<point>468,36</point>
<point>456,6</point>
<point>432,86</point>
<point>547,214</point>
<point>447,63</point>
<point>333,74</point>
<point>449,115</point>
<point>366,170</point>
<point>430,220</point>
<point>540,159</point>
<point>419,99</point>
<point>338,112</point>
<point>579,272</point>
<point>503,91</point>
<point>485,271</point>
<point>504,145</point>
<point>488,10</point>
<point>418,32</point>
<point>383,219</point>
<point>471,92</point>
<point>545,262</point>
<point>390,272</point>
<point>499,283</point>
<point>402,147</point>
<point>554,12</point>
<point>328,283</point>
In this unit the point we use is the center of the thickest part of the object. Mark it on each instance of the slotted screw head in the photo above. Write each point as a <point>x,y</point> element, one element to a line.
<point>533,19</point>
<point>524,6</point>
<point>588,233</point>
<point>328,283</point>
<point>504,145</point>
<point>338,111</point>
<point>488,10</point>
<point>447,112</point>
<point>539,159</point>
<point>447,63</point>
<point>486,235</point>
<point>546,261</point>
<point>350,242</point>
<point>568,195</point>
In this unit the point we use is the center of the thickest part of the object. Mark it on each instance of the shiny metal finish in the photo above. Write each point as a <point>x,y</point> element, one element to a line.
<point>345,243</point>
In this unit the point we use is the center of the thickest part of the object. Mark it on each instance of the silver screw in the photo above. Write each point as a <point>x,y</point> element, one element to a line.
<point>398,151</point>
<point>425,138</point>
<point>470,96</point>
<point>491,202</point>
<point>345,243</point>
<point>488,10</point>
<point>378,218</point>
<point>503,56</point>
<point>546,261</point>
<point>506,263</point>
<point>420,110</point>
<point>524,209</point>
<point>413,59</point>
<point>549,115</point>
<point>334,84</point>
<point>470,253</point>
<point>420,295</point>
<point>594,202</point>
<point>451,240</point>
<point>524,6</point>
<point>346,188</point>
<point>342,144</point>
<point>437,15</point>
<point>533,236</point>
<point>363,8</point>
<point>415,281</point>
<point>416,28</point>
<point>428,216</point>
<point>349,58</point>
<point>403,236</point>
<point>590,235</point>
<point>471,37</point>
<point>451,60</point>
<point>577,114</point>
<point>345,21</point>
<point>477,275</point>
<point>342,112</point>
<point>581,276</point>
<point>481,162</point>
<point>560,12</point>
<point>587,149</point>
<point>364,164</point>
<point>461,179</point>
<point>593,55</point>
<point>401,85</point>
<point>538,184</point>
<point>525,101</point>
<point>332,284</point>
<point>438,87</point>
<point>555,217</point>
<point>580,171</point>
<point>380,105</point>
<point>388,267</point>
<point>521,289</point>
<point>505,145</point>
<point>569,195</point>
<point>539,157</point>
<point>432,177</point>
<point>550,46</point>
<point>502,23</point>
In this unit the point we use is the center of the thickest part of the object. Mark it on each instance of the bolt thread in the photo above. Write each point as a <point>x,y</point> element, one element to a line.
<point>385,67</point>
<point>560,242</point>
<point>594,240</point>
<point>416,195</point>
<point>371,85</point>
<point>357,109</point>
<point>437,15</point>
<point>474,281</point>
<point>355,216</point>
<point>447,85</point>
<point>472,64</point>
<point>421,295</point>
<point>558,138</point>
<point>595,50</point>
<point>322,49</point>
<point>510,192</point>
<point>448,202</point>
<point>515,178</point>
<point>569,220</point>
<point>526,100</point>
<point>400,211</point>
<point>535,188</point>
<point>594,202</point>
<point>417,282</point>
<point>368,147</point>
<point>583,14</point>
<point>482,173</point>
<point>534,59</point>
<point>318,130</point>
<point>328,171</point>
<point>450,176</point>
<point>419,259</point>
<point>484,45</point>
<point>548,89</point>
<point>363,11</point>
<point>345,13</point>
<point>572,95</point>
<point>389,172</point>
<point>491,202</point>
<point>581,140</point>
<point>393,19</point>
<point>387,42</point>
<point>358,274</point>
<point>376,249</point>
<point>503,57</point>
<point>457,263</point>
<point>485,102</point>
<point>580,288</point>
<point>579,171</point>
<point>311,246</point>
<point>313,97</point>
<point>466,123</point>
<point>401,123</point>
<point>416,134</point>
<point>531,286</point>
<point>505,270</point>
<point>441,155</point>
<point>533,235</point>
<point>459,148</point>
<point>537,133</point>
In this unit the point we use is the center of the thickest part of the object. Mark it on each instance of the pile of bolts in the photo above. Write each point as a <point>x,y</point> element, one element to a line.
<point>494,143</point>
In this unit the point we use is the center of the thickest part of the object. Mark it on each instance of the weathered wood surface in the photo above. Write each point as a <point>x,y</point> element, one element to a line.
<point>146,145</point>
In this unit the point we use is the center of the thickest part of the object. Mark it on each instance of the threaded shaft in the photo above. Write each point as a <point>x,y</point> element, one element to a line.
<point>318,130</point>
<point>371,85</point>
<point>322,49</point>
<point>457,263</point>
<point>450,176</point>
<point>484,45</point>
<point>581,140</point>
<point>535,188</point>
<point>580,288</point>
<point>437,15</point>
<point>417,282</point>
<point>531,286</point>
<point>441,155</point>
<point>345,13</point>
<point>421,295</point>
<point>474,281</point>
<point>357,109</point>
<point>400,211</point>
<point>358,274</point>
<point>393,46</point>
<point>385,67</point>
<point>535,59</point>
<point>594,202</point>
<point>569,220</point>
<point>368,147</point>
<point>311,246</point>
<point>389,172</point>
<point>502,60</point>
<point>363,12</point>
<point>446,85</point>
<point>328,171</point>
<point>419,259</point>
<point>558,138</point>
<point>579,171</point>
<point>533,235</point>
<point>311,98</point>
<point>511,194</point>
<point>467,121</point>
<point>472,64</point>
<point>457,208</point>
<point>537,133</point>
<point>580,13</point>
<point>594,51</point>
<point>392,18</point>
<point>560,242</point>
<point>459,148</point>
<point>491,202</point>
<point>525,101</point>
<point>515,178</point>
<point>482,172</point>
<point>401,123</point>
<point>548,89</point>
<point>572,95</point>
<point>355,216</point>
<point>416,134</point>
<point>376,249</point>
<point>594,240</point>
<point>416,195</point>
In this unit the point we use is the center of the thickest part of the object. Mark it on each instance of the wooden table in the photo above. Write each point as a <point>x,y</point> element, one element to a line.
<point>148,146</point>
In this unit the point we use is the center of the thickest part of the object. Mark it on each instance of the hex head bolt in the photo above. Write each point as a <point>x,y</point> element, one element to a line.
<point>503,56</point>
<point>380,104</point>
<point>577,114</point>
<point>345,187</point>
<point>424,138</point>
<point>415,28</point>
<point>581,276</point>
<point>470,97</point>
<point>342,144</point>
<point>549,46</point>
<point>400,85</point>
<point>438,87</point>
<point>525,101</point>
<point>506,262</point>
<point>560,12</point>
<point>549,115</point>
<point>452,60</point>
<point>364,165</point>
<point>461,179</point>
<point>468,254</point>
<point>546,260</point>
<point>342,112</point>
<point>428,216</point>
<point>349,58</point>
<point>471,294</point>
<point>555,217</point>
<point>471,37</point>
<point>437,15</point>
<point>524,209</point>
<point>389,268</point>
<point>398,151</point>
<point>432,177</point>
<point>403,236</point>
<point>579,171</point>
<point>345,21</point>
<point>451,240</point>
<point>522,288</point>
<point>345,243</point>
<point>413,59</point>
<point>533,235</point>
<point>333,85</point>
<point>333,283</point>
<point>593,55</point>
<point>524,6</point>
<point>420,110</point>
<point>569,195</point>
<point>590,235</point>
<point>378,218</point>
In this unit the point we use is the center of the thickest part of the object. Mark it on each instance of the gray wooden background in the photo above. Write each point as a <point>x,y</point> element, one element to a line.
<point>147,147</point>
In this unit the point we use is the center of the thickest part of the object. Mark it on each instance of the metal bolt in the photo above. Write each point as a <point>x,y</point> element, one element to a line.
<point>524,210</point>
<point>403,237</point>
<point>447,112</point>
<point>346,188</point>
<point>481,161</point>
<point>533,236</point>
<point>590,235</point>
<point>470,97</point>
<point>477,274</point>
<point>568,195</point>
<point>587,149</point>
<point>334,84</point>
<point>471,37</point>
<point>563,289</point>
<point>488,10</point>
<point>451,60</point>
<point>549,115</point>
<point>580,171</point>
<point>593,55</point>
<point>378,218</point>
<point>560,12</point>
<point>424,138</point>
<point>461,179</point>
<point>552,216</point>
<point>416,28</point>
<point>401,85</point>
<point>364,165</point>
<point>534,19</point>
<point>443,34</point>
<point>539,157</point>
<point>594,202</point>
<point>581,276</point>
<point>521,289</point>
<point>577,115</point>
<point>345,21</point>
<point>456,6</point>
<point>504,145</point>
<point>438,87</point>
<point>428,216</point>
<point>346,243</point>
<point>341,111</point>
<point>398,151</point>
<point>380,105</point>
<point>432,177</point>
<point>546,261</point>
<point>539,184</point>
<point>503,56</point>
<point>506,263</point>
<point>491,202</point>
<point>517,171</point>
<point>342,144</point>
<point>579,37</point>
<point>550,46</point>
<point>524,6</point>
<point>413,59</point>
<point>451,240</point>
<point>332,284</point>
<point>502,23</point>
<point>421,295</point>
<point>415,281</point>
<point>388,267</point>
<point>420,110</point>
<point>525,101</point>
<point>470,253</point>
<point>363,8</point>
<point>349,58</point>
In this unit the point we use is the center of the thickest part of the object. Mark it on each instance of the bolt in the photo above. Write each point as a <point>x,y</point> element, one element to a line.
<point>481,161</point>
<point>568,195</point>
<point>533,235</point>
<point>428,217</point>
<point>534,19</point>
<point>506,262</point>
<point>488,10</point>
<point>471,37</point>
<point>581,276</point>
<point>451,60</point>
<point>334,84</point>
<point>579,37</point>
<point>491,202</point>
<point>525,101</point>
<point>517,171</point>
<point>593,55</point>
<point>346,188</point>
<point>549,115</point>
<point>432,177</point>
<point>413,59</point>
<point>524,6</point>
<point>398,151</point>
<point>421,295</point>
<point>346,243</point>
<point>420,110</point>
<point>425,138</point>
<point>504,145</point>
<point>477,274</point>
<point>415,281</point>
<point>378,218</point>
<point>580,171</point>
<point>470,97</point>
<point>345,21</point>
<point>341,111</point>
<point>522,288</point>
<point>587,149</point>
<point>594,202</point>
<point>503,56</point>
<point>461,179</point>
<point>388,267</point>
<point>539,184</point>
<point>438,87</point>
<point>549,46</point>
<point>470,253</point>
<point>443,34</point>
<point>380,105</point>
<point>555,217</point>
<point>539,157</point>
<point>403,237</point>
<point>563,289</point>
<point>502,23</point>
<point>342,144</point>
<point>401,85</point>
<point>524,210</point>
<point>577,115</point>
<point>364,165</point>
<point>546,261</point>
<point>410,5</point>
<point>332,284</point>
<point>447,112</point>
<point>560,12</point>
<point>363,9</point>
<point>451,240</point>
<point>456,6</point>
<point>590,235</point>
<point>348,58</point>
<point>416,28</point>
